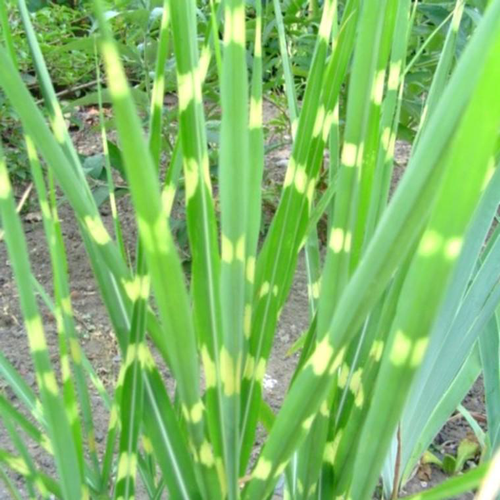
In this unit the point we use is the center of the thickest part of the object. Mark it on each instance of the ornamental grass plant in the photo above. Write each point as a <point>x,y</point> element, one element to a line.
<point>403,300</point>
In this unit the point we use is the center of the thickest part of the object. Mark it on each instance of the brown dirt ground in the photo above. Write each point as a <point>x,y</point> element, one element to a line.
<point>98,340</point>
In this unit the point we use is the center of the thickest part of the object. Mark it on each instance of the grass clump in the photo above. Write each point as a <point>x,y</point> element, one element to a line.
<point>397,284</point>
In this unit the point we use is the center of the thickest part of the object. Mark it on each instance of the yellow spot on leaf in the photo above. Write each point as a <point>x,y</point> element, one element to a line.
<point>306,424</point>
<point>240,249</point>
<point>66,306</point>
<point>91,440</point>
<point>263,469</point>
<point>250,271</point>
<point>41,488</point>
<point>386,137</point>
<point>321,357</point>
<point>126,465</point>
<point>235,26</point>
<point>191,177</point>
<point>121,375</point>
<point>65,369</point>
<point>394,71</point>
<point>209,368</point>
<point>4,182</point>
<point>221,474</point>
<point>315,289</point>
<point>378,87</point>
<point>249,367</point>
<point>400,349</point>
<point>205,168</point>
<point>131,354</point>
<point>290,173</point>
<point>300,179</point>
<point>145,358</point>
<point>260,370</point>
<point>50,383</point>
<point>96,229</point>
<point>347,242</point>
<point>147,445</point>
<point>255,114</point>
<point>59,127</point>
<point>197,412</point>
<point>318,124</point>
<point>343,376</point>
<point>137,288</point>
<point>18,464</point>
<point>47,445</point>
<point>312,490</point>
<point>331,449</point>
<point>376,350</point>
<point>113,417</point>
<point>205,58</point>
<point>325,26</point>
<point>227,250</point>
<point>324,410</point>
<point>452,248</point>
<point>357,388</point>
<point>349,155</point>
<point>167,198</point>
<point>327,125</point>
<point>419,349</point>
<point>300,486</point>
<point>206,455</point>
<point>264,289</point>
<point>336,240</point>
<point>86,494</point>
<point>355,383</point>
<point>188,89</point>
<point>430,244</point>
<point>34,328</point>
<point>337,361</point>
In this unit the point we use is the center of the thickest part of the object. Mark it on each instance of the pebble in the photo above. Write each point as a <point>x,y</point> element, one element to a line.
<point>269,383</point>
